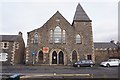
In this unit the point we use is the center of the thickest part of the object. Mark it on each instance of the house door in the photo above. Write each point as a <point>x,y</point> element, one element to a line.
<point>89,57</point>
<point>61,57</point>
<point>40,57</point>
<point>54,57</point>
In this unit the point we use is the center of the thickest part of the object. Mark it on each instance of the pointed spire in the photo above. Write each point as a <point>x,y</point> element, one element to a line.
<point>80,14</point>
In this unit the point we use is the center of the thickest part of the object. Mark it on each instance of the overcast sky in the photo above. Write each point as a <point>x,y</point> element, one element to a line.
<point>27,15</point>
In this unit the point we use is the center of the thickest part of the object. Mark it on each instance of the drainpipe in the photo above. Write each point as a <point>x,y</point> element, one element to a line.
<point>108,52</point>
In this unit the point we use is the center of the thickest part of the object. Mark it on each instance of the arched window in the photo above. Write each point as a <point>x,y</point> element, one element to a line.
<point>57,35</point>
<point>74,56</point>
<point>36,38</point>
<point>51,36</point>
<point>78,39</point>
<point>64,37</point>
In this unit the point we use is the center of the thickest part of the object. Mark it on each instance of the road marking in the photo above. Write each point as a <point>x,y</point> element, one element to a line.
<point>56,75</point>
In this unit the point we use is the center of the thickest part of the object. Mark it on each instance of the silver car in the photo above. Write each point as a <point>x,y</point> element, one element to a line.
<point>83,63</point>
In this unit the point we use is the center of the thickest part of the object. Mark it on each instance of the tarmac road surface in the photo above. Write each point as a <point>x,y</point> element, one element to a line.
<point>62,71</point>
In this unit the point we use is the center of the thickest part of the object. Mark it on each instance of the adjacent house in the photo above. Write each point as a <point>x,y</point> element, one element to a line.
<point>105,50</point>
<point>12,49</point>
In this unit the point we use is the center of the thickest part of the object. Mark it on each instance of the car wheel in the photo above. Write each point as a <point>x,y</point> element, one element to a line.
<point>78,65</point>
<point>108,65</point>
<point>91,65</point>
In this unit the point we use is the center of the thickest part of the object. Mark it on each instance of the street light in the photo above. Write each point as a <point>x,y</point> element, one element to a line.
<point>33,55</point>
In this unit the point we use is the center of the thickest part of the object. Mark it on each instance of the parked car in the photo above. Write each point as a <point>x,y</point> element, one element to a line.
<point>83,63</point>
<point>111,62</point>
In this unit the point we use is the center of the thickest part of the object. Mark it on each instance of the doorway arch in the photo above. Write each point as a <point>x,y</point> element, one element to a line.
<point>54,57</point>
<point>61,57</point>
<point>40,57</point>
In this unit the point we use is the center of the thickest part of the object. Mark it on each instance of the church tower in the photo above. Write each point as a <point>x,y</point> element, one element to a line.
<point>82,26</point>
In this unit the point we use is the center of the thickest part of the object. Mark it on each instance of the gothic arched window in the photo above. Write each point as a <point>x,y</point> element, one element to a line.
<point>78,39</point>
<point>36,38</point>
<point>51,36</point>
<point>64,36</point>
<point>57,35</point>
<point>74,56</point>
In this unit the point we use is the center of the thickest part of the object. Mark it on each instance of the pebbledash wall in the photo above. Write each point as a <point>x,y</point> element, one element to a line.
<point>58,42</point>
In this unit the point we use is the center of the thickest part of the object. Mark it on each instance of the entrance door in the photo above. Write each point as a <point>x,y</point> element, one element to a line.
<point>40,57</point>
<point>61,57</point>
<point>89,57</point>
<point>54,57</point>
<point>74,56</point>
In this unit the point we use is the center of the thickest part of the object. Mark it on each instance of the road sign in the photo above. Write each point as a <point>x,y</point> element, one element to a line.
<point>45,49</point>
<point>33,53</point>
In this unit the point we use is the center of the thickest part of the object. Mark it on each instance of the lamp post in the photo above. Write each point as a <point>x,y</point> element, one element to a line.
<point>108,53</point>
<point>33,55</point>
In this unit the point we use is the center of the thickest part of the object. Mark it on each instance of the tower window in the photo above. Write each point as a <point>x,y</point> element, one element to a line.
<point>78,39</point>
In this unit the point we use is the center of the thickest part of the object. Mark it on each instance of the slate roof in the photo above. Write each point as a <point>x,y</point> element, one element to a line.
<point>118,44</point>
<point>80,14</point>
<point>104,45</point>
<point>9,37</point>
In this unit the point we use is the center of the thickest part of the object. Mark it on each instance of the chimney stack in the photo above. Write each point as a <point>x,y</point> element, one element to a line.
<point>20,33</point>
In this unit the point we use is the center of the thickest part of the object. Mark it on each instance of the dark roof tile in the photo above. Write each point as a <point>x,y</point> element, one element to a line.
<point>80,14</point>
<point>9,37</point>
<point>104,45</point>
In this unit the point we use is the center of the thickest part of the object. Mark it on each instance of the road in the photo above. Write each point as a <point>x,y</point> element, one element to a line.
<point>62,71</point>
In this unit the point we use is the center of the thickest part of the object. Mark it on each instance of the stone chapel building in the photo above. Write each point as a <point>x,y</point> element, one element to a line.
<point>58,42</point>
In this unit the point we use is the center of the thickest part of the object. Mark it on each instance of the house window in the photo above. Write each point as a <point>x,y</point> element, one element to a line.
<point>51,36</point>
<point>5,45</point>
<point>36,38</point>
<point>57,35</point>
<point>78,39</point>
<point>3,56</point>
<point>64,37</point>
